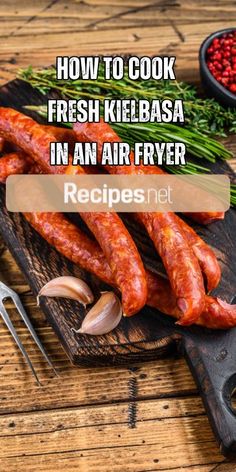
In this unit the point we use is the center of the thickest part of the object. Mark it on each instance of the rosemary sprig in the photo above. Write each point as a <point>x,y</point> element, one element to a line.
<point>148,132</point>
<point>204,118</point>
<point>197,144</point>
<point>201,114</point>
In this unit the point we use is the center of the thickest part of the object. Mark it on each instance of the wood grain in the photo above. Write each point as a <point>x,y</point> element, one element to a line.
<point>145,336</point>
<point>38,31</point>
<point>94,434</point>
<point>42,31</point>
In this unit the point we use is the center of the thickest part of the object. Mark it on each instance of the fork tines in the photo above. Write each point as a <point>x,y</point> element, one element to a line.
<point>6,292</point>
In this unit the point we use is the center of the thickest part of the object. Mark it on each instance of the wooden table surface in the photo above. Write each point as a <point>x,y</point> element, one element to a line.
<point>141,418</point>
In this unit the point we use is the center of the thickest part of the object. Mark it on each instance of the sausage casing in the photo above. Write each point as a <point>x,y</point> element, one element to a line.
<point>108,229</point>
<point>14,163</point>
<point>163,228</point>
<point>80,249</point>
<point>217,314</point>
<point>70,241</point>
<point>205,255</point>
<point>19,163</point>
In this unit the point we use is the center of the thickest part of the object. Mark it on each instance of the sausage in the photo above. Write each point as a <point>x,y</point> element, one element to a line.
<point>114,239</point>
<point>207,217</point>
<point>18,163</point>
<point>2,142</point>
<point>68,135</point>
<point>217,313</point>
<point>70,241</point>
<point>163,228</point>
<point>205,255</point>
<point>85,130</point>
<point>80,249</point>
<point>34,139</point>
<point>14,163</point>
<point>29,136</point>
<point>123,257</point>
<point>180,263</point>
<point>62,135</point>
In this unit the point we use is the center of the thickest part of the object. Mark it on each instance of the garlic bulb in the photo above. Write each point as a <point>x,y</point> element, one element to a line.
<point>67,287</point>
<point>104,316</point>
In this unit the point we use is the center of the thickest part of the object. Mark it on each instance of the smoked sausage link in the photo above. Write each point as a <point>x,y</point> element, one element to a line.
<point>108,229</point>
<point>205,255</point>
<point>13,164</point>
<point>75,245</point>
<point>163,228</point>
<point>80,249</point>
<point>70,241</point>
<point>217,313</point>
<point>207,217</point>
<point>19,163</point>
<point>62,135</point>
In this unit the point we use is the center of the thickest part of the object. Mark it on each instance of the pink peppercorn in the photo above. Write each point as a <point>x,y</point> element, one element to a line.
<point>221,60</point>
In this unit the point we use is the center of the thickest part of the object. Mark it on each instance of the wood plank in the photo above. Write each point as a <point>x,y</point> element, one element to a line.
<point>227,466</point>
<point>100,438</point>
<point>91,416</point>
<point>81,386</point>
<point>183,43</point>
<point>130,459</point>
<point>167,377</point>
<point>34,18</point>
<point>175,375</point>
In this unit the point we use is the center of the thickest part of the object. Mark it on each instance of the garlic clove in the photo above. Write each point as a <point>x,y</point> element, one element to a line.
<point>104,316</point>
<point>67,287</point>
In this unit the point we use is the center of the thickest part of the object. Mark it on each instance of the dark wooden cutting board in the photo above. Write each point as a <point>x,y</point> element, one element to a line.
<point>148,335</point>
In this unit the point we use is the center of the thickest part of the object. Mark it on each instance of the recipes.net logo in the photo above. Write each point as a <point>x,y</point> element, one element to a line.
<point>112,196</point>
<point>120,193</point>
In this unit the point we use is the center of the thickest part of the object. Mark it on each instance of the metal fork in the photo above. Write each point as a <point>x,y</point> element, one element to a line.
<point>6,292</point>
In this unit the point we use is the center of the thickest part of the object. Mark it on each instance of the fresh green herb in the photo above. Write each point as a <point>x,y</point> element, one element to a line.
<point>196,144</point>
<point>132,133</point>
<point>201,114</point>
<point>204,117</point>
